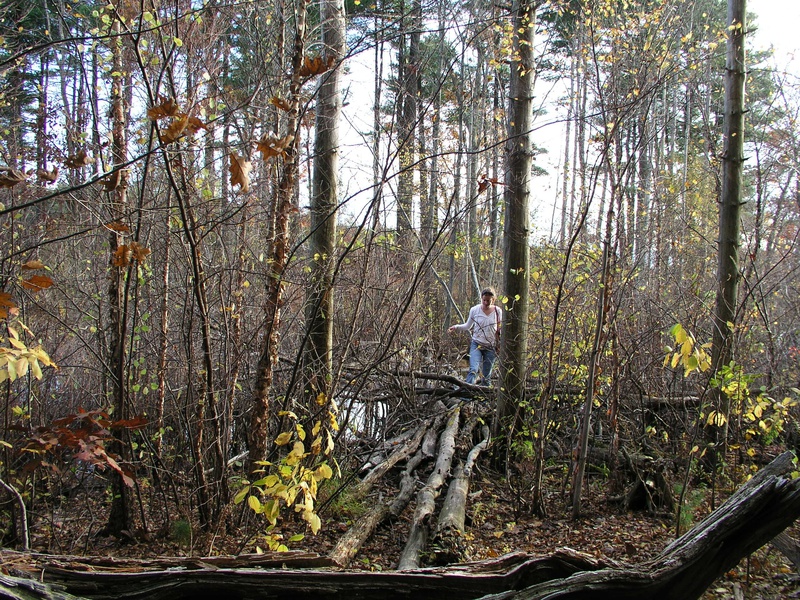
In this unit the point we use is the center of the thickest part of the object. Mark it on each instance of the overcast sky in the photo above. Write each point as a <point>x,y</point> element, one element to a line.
<point>777,22</point>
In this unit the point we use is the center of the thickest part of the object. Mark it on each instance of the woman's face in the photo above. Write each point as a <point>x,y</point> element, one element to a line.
<point>487,299</point>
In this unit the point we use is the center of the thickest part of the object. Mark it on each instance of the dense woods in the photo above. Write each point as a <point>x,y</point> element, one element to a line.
<point>228,265</point>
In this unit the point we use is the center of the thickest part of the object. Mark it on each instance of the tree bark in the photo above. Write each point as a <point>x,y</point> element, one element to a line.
<point>730,208</point>
<point>324,201</point>
<point>519,156</point>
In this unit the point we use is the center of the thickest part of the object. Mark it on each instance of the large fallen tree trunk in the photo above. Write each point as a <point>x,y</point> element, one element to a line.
<point>449,540</point>
<point>753,516</point>
<point>350,543</point>
<point>426,499</point>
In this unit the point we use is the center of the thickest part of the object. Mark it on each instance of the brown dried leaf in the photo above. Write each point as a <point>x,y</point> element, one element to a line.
<point>118,226</point>
<point>122,256</point>
<point>280,103</point>
<point>79,160</point>
<point>167,108</point>
<point>46,177</point>
<point>112,182</point>
<point>484,182</point>
<point>270,146</point>
<point>6,303</point>
<point>37,283</point>
<point>315,65</point>
<point>138,252</point>
<point>10,177</point>
<point>33,265</point>
<point>195,125</point>
<point>176,129</point>
<point>240,172</point>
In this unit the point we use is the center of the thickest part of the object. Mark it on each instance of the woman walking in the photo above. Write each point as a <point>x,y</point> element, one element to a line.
<point>484,321</point>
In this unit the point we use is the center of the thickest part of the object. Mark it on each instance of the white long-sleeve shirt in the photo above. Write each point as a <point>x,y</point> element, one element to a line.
<point>483,326</point>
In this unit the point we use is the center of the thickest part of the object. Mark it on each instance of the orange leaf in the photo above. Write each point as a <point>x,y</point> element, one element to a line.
<point>240,172</point>
<point>138,252</point>
<point>167,108</point>
<point>118,226</point>
<point>47,176</point>
<point>10,177</point>
<point>6,303</point>
<point>315,65</point>
<point>280,103</point>
<point>76,161</point>
<point>122,256</point>
<point>270,146</point>
<point>37,283</point>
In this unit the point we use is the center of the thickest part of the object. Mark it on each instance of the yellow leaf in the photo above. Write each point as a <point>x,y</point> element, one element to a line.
<point>283,438</point>
<point>254,503</point>
<point>313,521</point>
<point>36,369</point>
<point>323,472</point>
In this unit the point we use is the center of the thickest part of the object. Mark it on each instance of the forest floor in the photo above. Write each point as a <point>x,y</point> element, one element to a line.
<point>495,528</point>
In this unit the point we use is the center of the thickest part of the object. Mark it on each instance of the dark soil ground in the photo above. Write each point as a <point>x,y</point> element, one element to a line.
<point>495,527</point>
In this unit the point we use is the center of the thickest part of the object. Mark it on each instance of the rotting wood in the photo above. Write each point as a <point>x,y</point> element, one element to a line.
<point>401,453</point>
<point>426,498</point>
<point>449,539</point>
<point>751,517</point>
<point>789,547</point>
<point>351,542</point>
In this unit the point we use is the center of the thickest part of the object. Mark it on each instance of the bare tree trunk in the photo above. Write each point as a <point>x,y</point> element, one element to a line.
<point>519,156</point>
<point>320,303</point>
<point>117,185</point>
<point>730,203</point>
<point>258,432</point>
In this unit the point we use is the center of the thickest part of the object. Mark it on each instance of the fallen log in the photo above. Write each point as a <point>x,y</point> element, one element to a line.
<point>449,539</point>
<point>426,499</point>
<point>400,453</point>
<point>753,516</point>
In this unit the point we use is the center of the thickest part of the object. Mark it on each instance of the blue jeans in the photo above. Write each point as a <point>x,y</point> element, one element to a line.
<point>481,358</point>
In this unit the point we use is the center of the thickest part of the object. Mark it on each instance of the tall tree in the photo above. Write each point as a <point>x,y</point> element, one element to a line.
<point>519,162</point>
<point>319,308</point>
<point>729,212</point>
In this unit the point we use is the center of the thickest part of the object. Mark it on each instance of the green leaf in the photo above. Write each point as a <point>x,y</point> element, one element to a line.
<point>255,504</point>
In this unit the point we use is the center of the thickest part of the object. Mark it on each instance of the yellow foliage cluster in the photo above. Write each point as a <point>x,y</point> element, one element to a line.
<point>687,352</point>
<point>17,359</point>
<point>293,482</point>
